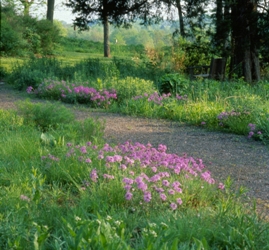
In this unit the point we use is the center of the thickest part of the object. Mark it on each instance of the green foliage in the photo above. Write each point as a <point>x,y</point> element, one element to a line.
<point>48,200</point>
<point>9,120</point>
<point>33,72</point>
<point>44,115</point>
<point>173,83</point>
<point>12,42</point>
<point>193,53</point>
<point>131,87</point>
<point>22,36</point>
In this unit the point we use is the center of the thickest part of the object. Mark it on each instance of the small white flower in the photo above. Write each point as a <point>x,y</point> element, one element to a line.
<point>153,233</point>
<point>108,218</point>
<point>152,224</point>
<point>77,218</point>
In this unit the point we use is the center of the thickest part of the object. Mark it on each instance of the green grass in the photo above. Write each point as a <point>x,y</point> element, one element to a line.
<point>51,199</point>
<point>50,196</point>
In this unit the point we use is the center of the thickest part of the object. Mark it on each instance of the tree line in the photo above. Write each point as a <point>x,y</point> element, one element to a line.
<point>241,27</point>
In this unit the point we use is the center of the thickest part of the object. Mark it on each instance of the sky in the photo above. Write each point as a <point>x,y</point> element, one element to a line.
<point>61,12</point>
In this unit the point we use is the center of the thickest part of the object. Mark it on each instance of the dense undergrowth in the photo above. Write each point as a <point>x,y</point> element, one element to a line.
<point>134,88</point>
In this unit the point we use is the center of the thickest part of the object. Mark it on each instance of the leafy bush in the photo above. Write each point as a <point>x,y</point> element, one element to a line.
<point>9,120</point>
<point>33,72</point>
<point>173,84</point>
<point>12,42</point>
<point>130,87</point>
<point>25,35</point>
<point>44,115</point>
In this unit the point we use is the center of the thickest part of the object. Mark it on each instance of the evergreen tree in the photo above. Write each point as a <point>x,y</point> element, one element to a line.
<point>239,32</point>
<point>118,13</point>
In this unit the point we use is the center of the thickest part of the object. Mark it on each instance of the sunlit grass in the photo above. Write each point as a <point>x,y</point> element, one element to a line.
<point>67,187</point>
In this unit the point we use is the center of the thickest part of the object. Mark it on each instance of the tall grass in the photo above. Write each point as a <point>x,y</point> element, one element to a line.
<point>65,188</point>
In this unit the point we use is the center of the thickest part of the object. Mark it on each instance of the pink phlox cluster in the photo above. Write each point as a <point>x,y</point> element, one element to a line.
<point>94,175</point>
<point>147,172</point>
<point>155,97</point>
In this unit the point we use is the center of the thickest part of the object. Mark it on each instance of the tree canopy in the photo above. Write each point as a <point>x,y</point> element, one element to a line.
<point>118,13</point>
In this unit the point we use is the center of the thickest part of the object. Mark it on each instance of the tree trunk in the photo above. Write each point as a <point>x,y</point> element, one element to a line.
<point>50,10</point>
<point>106,38</point>
<point>219,26</point>
<point>180,15</point>
<point>245,59</point>
<point>26,6</point>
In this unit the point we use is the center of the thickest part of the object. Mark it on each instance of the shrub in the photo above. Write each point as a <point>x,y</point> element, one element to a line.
<point>44,115</point>
<point>173,84</point>
<point>130,87</point>
<point>12,42</point>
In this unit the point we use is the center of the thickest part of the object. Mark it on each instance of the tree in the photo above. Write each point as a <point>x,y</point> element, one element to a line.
<point>191,14</point>
<point>118,13</point>
<point>239,32</point>
<point>50,10</point>
<point>178,5</point>
<point>26,6</point>
<point>244,26</point>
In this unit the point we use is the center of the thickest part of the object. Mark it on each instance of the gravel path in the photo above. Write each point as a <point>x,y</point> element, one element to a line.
<point>244,160</point>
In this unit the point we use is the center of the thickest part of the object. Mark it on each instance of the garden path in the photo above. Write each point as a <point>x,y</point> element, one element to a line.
<point>246,161</point>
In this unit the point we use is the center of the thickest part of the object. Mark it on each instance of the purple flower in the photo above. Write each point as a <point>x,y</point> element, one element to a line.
<point>88,160</point>
<point>171,191</point>
<point>147,196</point>
<point>143,186</point>
<point>94,175</point>
<point>259,132</point>
<point>178,189</point>
<point>165,183</point>
<point>110,159</point>
<point>173,206</point>
<point>83,150</point>
<point>179,201</point>
<point>127,187</point>
<point>250,134</point>
<point>162,148</point>
<point>128,196</point>
<point>175,184</point>
<point>163,196</point>
<point>29,90</point>
<point>107,176</point>
<point>252,126</point>
<point>117,158</point>
<point>221,186</point>
<point>203,123</point>
<point>128,181</point>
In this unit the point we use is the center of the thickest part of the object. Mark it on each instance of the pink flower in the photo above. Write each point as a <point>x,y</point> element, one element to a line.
<point>251,133</point>
<point>221,186</point>
<point>179,201</point>
<point>128,196</point>
<point>203,123</point>
<point>29,90</point>
<point>94,175</point>
<point>171,191</point>
<point>107,176</point>
<point>24,198</point>
<point>163,196</point>
<point>147,196</point>
<point>173,206</point>
<point>165,183</point>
